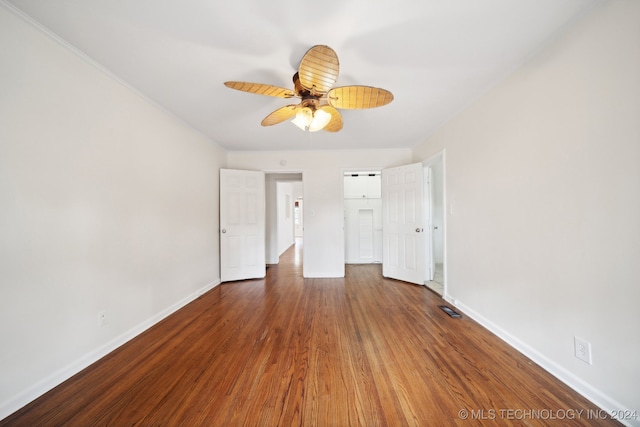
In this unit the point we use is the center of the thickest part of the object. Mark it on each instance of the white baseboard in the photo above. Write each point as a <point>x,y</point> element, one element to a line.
<point>323,274</point>
<point>606,403</point>
<point>44,385</point>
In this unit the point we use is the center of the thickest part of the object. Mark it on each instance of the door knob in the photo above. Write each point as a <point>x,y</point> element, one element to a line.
<point>418,230</point>
<point>224,230</point>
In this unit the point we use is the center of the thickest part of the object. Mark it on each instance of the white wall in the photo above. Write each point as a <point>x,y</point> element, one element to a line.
<point>323,181</point>
<point>107,204</point>
<point>543,194</point>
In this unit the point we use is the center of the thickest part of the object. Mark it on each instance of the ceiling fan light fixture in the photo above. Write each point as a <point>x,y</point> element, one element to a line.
<point>320,120</point>
<point>313,121</point>
<point>303,118</point>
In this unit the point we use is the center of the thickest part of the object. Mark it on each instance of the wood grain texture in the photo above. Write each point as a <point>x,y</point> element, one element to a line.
<point>358,97</point>
<point>261,89</point>
<point>319,69</point>
<point>281,114</point>
<point>285,351</point>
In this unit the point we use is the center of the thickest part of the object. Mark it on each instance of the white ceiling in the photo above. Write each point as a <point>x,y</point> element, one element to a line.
<point>436,56</point>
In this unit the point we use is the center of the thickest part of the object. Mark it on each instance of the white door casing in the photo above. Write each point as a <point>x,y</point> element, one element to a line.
<point>402,223</point>
<point>242,225</point>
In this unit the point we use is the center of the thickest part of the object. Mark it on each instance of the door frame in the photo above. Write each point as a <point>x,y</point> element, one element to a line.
<point>269,236</point>
<point>441,156</point>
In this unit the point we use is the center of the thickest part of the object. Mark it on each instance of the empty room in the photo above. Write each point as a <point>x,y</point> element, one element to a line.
<point>340,213</point>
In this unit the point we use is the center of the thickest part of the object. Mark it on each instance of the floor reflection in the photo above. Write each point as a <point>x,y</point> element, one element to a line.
<point>297,252</point>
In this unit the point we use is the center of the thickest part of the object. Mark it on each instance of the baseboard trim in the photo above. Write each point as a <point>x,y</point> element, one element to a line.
<point>41,387</point>
<point>594,395</point>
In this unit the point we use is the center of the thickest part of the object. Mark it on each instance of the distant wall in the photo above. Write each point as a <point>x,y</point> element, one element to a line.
<point>323,201</point>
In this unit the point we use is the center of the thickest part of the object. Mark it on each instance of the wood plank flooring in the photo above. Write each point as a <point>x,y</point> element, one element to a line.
<point>287,351</point>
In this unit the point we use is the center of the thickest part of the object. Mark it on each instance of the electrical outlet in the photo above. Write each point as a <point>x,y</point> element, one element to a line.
<point>583,350</point>
<point>102,318</point>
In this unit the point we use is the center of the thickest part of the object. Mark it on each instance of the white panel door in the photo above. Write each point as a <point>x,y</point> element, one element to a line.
<point>403,251</point>
<point>430,257</point>
<point>242,225</point>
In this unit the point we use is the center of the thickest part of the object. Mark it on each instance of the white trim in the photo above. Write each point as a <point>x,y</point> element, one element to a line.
<point>598,398</point>
<point>324,274</point>
<point>44,385</point>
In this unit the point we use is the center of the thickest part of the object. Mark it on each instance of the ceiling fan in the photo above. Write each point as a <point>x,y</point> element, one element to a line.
<point>319,100</point>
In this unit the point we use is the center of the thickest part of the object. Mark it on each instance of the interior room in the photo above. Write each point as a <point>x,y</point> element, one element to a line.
<point>516,124</point>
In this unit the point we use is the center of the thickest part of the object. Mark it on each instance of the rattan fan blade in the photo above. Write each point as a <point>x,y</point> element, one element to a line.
<point>280,115</point>
<point>261,89</point>
<point>335,124</point>
<point>358,97</point>
<point>319,69</point>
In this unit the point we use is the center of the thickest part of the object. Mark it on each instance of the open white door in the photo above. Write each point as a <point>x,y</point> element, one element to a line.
<point>430,256</point>
<point>403,238</point>
<point>242,225</point>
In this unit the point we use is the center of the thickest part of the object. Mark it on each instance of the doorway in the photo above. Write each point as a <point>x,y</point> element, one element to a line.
<point>283,191</point>
<point>417,194</point>
<point>363,217</point>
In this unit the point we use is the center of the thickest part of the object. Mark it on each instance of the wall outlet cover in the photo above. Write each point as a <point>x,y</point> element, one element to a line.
<point>583,350</point>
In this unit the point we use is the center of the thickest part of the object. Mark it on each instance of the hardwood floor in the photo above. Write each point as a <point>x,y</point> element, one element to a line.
<point>286,351</point>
